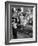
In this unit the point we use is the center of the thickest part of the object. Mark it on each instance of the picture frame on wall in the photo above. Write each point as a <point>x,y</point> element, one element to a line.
<point>20,22</point>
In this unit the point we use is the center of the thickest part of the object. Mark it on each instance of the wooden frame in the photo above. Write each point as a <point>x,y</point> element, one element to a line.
<point>8,4</point>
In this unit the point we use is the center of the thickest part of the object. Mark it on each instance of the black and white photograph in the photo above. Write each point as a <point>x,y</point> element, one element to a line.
<point>20,22</point>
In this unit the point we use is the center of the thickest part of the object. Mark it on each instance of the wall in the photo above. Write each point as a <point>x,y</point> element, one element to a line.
<point>2,23</point>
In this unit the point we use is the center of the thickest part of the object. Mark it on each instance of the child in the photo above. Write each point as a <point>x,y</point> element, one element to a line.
<point>14,28</point>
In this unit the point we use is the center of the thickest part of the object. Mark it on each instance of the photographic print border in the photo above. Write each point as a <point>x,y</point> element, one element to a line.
<point>6,22</point>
